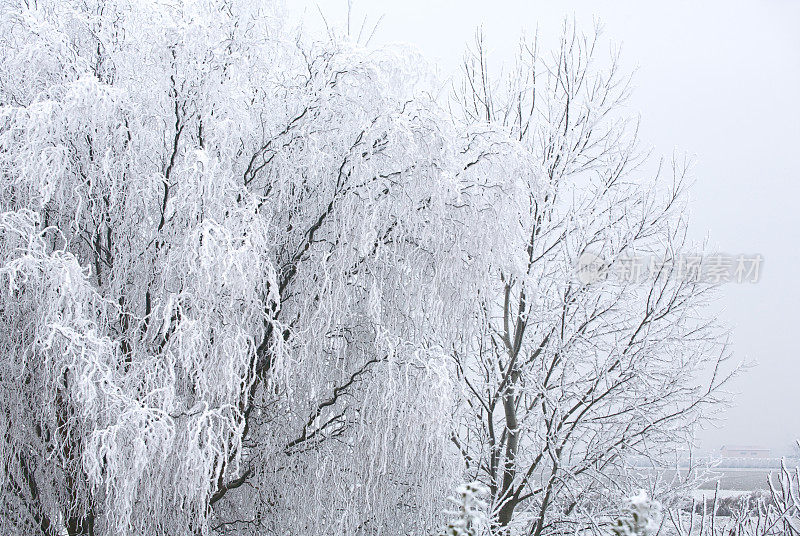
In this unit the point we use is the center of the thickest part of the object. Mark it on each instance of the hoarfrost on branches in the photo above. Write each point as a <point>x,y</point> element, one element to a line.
<point>219,245</point>
<point>255,283</point>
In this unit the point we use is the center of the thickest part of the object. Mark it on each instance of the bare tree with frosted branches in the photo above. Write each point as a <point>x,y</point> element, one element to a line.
<point>566,377</point>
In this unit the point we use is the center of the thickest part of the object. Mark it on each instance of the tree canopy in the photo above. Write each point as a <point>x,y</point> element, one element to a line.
<point>255,282</point>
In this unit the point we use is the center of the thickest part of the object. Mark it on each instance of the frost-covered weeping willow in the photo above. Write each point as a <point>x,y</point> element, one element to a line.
<point>227,263</point>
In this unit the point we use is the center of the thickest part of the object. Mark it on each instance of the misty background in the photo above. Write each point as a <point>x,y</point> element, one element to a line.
<point>719,81</point>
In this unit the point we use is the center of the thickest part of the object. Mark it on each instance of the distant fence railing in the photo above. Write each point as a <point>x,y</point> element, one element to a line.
<point>755,463</point>
<point>720,463</point>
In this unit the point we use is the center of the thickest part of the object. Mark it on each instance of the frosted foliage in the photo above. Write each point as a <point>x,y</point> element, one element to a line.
<point>379,470</point>
<point>229,259</point>
<point>54,355</point>
<point>254,283</point>
<point>152,417</point>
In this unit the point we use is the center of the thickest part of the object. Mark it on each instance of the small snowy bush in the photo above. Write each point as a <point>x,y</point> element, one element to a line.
<point>641,517</point>
<point>470,518</point>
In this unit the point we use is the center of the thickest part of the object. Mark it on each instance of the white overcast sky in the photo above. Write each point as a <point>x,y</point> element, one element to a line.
<point>718,80</point>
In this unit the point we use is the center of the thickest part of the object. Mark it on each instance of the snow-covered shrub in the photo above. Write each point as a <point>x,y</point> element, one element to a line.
<point>470,518</point>
<point>642,517</point>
